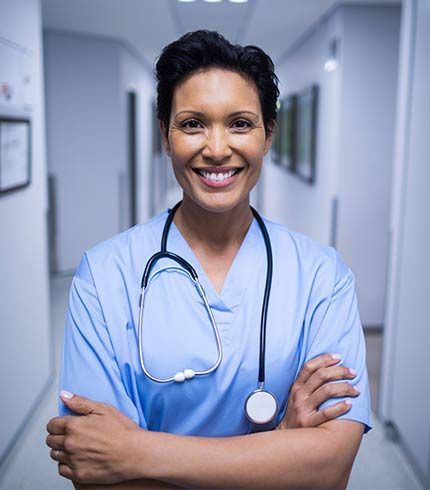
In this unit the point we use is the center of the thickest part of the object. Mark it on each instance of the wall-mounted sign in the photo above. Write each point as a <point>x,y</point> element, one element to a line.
<point>15,155</point>
<point>16,73</point>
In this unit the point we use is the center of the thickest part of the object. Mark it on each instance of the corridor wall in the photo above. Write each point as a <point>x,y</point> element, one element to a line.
<point>348,205</point>
<point>405,399</point>
<point>87,79</point>
<point>25,336</point>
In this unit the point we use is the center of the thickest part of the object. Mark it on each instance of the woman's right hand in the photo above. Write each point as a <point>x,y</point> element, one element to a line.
<point>312,387</point>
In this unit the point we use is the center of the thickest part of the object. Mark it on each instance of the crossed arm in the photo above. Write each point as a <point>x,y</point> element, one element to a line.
<point>320,457</point>
<point>313,450</point>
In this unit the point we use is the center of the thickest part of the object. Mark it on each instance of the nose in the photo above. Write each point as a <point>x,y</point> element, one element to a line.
<point>217,146</point>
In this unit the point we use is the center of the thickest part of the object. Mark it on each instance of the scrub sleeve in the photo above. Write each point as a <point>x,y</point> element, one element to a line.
<point>335,327</point>
<point>89,367</point>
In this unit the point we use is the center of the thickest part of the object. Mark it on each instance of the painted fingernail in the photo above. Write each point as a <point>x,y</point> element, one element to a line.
<point>353,371</point>
<point>335,356</point>
<point>66,394</point>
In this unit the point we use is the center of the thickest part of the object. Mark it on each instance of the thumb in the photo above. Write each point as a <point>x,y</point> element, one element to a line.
<point>78,404</point>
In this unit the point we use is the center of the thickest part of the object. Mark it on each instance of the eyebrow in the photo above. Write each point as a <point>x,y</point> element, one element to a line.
<point>201,114</point>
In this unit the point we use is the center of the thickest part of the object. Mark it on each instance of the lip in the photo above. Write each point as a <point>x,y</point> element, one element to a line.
<point>225,182</point>
<point>216,170</point>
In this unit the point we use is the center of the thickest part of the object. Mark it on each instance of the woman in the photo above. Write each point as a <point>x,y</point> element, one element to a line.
<point>217,111</point>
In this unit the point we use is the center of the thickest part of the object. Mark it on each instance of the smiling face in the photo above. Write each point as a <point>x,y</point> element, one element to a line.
<point>216,138</point>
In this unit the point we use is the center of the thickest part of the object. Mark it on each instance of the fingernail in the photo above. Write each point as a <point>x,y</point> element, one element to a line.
<point>335,356</point>
<point>353,371</point>
<point>66,394</point>
<point>348,402</point>
<point>357,389</point>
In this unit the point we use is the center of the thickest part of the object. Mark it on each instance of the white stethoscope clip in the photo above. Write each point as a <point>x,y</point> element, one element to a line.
<point>183,375</point>
<point>261,406</point>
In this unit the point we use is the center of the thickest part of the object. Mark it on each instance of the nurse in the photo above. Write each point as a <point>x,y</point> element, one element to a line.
<point>216,103</point>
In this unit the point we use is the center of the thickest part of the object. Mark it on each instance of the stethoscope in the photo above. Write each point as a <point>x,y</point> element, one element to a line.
<point>261,405</point>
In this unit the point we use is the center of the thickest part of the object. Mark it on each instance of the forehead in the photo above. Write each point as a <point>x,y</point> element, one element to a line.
<point>216,89</point>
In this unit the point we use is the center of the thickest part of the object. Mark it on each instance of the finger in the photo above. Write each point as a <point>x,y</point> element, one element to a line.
<point>331,412</point>
<point>332,390</point>
<point>55,442</point>
<point>80,404</point>
<point>57,425</point>
<point>60,457</point>
<point>312,365</point>
<point>325,374</point>
<point>65,471</point>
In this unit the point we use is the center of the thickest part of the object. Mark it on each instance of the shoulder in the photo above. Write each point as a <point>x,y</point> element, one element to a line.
<point>123,249</point>
<point>311,257</point>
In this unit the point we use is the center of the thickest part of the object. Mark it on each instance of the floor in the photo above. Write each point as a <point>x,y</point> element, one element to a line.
<point>380,463</point>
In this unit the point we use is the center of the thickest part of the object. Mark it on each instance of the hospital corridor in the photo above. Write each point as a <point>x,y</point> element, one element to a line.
<point>199,200</point>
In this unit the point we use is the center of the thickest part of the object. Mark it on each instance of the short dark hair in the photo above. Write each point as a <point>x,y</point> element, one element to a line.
<point>203,49</point>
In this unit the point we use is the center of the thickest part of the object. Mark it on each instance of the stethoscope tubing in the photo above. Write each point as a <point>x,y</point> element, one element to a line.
<point>211,318</point>
<point>267,288</point>
<point>191,272</point>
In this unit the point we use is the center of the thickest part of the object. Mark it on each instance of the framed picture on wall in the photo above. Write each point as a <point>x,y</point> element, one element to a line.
<point>15,157</point>
<point>307,108</point>
<point>288,132</point>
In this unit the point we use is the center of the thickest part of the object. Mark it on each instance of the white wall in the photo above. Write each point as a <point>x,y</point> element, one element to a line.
<point>86,83</point>
<point>355,139</point>
<point>368,102</point>
<point>405,399</point>
<point>288,200</point>
<point>138,78</point>
<point>85,141</point>
<point>25,337</point>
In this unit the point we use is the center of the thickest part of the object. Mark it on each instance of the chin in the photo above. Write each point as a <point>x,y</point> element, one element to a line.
<point>217,202</point>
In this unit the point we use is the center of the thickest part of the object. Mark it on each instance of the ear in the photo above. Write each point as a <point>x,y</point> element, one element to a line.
<point>164,139</point>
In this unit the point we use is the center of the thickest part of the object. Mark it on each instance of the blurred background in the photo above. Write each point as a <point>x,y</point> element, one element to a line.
<point>81,160</point>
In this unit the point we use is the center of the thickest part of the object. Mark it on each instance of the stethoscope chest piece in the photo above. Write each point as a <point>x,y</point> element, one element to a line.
<point>261,407</point>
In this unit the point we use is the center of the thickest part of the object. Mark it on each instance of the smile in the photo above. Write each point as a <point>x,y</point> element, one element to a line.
<point>217,178</point>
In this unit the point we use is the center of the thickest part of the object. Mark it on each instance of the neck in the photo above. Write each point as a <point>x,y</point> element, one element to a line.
<point>216,231</point>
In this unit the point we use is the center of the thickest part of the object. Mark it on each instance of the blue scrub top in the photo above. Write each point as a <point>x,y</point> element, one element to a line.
<point>312,310</point>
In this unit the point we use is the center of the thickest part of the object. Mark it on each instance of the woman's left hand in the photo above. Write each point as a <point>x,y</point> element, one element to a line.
<point>96,447</point>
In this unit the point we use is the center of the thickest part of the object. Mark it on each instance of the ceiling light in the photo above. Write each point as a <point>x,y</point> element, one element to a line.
<point>212,1</point>
<point>238,1</point>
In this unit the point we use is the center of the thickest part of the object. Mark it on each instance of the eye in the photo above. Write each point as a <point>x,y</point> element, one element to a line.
<point>190,124</point>
<point>242,124</point>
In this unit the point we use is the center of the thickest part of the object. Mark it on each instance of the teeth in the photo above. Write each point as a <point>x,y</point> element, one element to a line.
<point>219,177</point>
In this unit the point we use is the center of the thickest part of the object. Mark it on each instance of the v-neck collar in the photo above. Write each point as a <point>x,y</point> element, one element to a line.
<point>238,275</point>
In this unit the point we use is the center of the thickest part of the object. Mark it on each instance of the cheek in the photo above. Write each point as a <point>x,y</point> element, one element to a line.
<point>251,143</point>
<point>183,148</point>
<point>252,150</point>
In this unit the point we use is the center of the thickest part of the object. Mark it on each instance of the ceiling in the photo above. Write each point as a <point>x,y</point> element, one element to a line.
<point>148,25</point>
